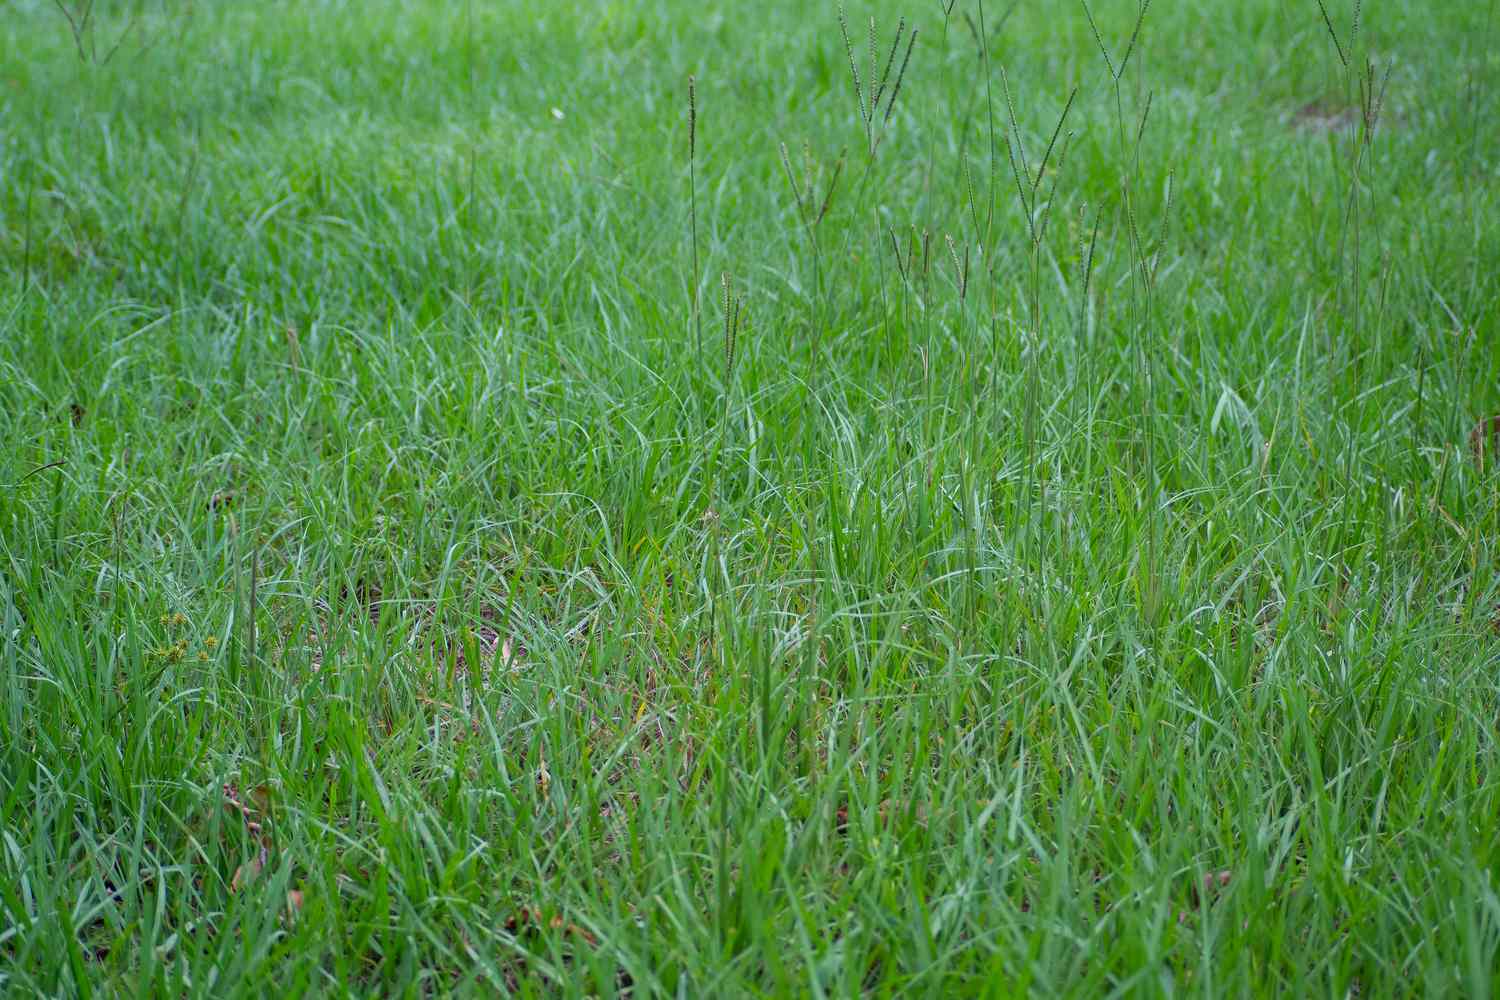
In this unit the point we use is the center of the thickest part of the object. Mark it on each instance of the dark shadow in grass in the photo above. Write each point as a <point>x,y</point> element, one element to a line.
<point>1332,115</point>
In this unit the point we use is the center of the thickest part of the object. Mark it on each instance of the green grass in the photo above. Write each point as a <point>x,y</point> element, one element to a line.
<point>948,642</point>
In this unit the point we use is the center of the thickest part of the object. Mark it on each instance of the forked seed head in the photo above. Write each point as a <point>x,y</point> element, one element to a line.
<point>1073,94</point>
<point>1109,63</point>
<point>859,95</point>
<point>1135,35</point>
<point>1328,23</point>
<point>1015,169</point>
<point>890,60</point>
<point>900,75</point>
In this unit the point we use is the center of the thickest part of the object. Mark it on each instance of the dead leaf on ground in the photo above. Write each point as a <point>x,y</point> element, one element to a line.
<point>251,818</point>
<point>529,920</point>
<point>251,807</point>
<point>1325,116</point>
<point>250,870</point>
<point>1333,115</point>
<point>367,594</point>
<point>261,796</point>
<point>294,346</point>
<point>1213,881</point>
<point>1206,890</point>
<point>495,651</point>
<point>886,812</point>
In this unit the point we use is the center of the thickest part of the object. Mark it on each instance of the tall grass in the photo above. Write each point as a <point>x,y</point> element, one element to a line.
<point>1075,580</point>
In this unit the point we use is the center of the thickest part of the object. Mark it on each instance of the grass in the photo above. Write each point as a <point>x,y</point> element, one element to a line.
<point>401,593</point>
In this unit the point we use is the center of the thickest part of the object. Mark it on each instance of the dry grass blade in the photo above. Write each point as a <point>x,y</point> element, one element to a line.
<point>1484,440</point>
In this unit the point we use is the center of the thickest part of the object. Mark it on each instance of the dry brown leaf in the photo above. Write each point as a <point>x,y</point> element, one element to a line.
<point>887,812</point>
<point>1484,440</point>
<point>1216,880</point>
<point>1324,116</point>
<point>234,804</point>
<point>1206,889</point>
<point>294,346</point>
<point>249,871</point>
<point>530,920</point>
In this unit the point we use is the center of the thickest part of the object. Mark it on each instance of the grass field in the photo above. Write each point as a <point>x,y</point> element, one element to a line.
<point>470,523</point>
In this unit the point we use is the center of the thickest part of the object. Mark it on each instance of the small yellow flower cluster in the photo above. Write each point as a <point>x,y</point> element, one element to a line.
<point>175,651</point>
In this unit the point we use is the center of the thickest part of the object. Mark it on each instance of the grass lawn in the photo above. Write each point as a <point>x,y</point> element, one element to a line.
<point>472,523</point>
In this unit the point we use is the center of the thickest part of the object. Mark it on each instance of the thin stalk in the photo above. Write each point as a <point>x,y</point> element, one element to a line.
<point>1141,280</point>
<point>693,292</point>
